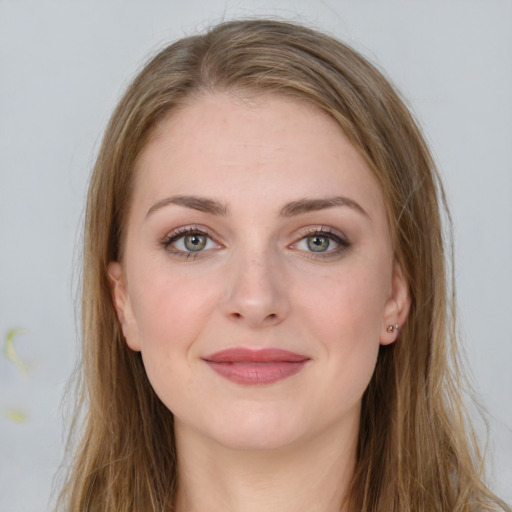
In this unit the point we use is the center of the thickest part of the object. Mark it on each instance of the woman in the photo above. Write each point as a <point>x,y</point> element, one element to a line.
<point>267,317</point>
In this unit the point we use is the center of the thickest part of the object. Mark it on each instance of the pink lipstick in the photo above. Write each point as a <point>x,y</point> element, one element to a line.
<point>256,367</point>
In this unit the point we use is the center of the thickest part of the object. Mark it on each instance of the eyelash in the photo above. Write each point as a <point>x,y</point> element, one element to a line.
<point>169,240</point>
<point>323,231</point>
<point>327,232</point>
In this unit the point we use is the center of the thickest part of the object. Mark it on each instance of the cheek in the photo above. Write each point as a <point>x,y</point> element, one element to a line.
<point>344,315</point>
<point>171,310</point>
<point>348,305</point>
<point>171,313</point>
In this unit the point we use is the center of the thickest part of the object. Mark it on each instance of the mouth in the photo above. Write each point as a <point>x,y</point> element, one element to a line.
<point>256,367</point>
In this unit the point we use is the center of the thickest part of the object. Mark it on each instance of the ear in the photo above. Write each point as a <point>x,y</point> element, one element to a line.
<point>122,305</point>
<point>397,306</point>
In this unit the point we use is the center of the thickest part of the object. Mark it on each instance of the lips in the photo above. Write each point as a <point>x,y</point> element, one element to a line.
<point>256,367</point>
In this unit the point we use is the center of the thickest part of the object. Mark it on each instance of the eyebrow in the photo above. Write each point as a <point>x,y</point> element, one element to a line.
<point>202,204</point>
<point>292,209</point>
<point>302,206</point>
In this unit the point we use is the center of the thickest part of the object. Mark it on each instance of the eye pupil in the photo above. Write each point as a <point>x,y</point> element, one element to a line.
<point>195,242</point>
<point>318,243</point>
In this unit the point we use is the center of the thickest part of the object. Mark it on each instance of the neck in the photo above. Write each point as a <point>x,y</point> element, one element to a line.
<point>313,475</point>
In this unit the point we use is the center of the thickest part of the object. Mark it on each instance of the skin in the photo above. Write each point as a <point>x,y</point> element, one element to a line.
<point>257,283</point>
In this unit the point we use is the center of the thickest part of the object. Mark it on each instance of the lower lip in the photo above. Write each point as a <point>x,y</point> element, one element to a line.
<point>253,374</point>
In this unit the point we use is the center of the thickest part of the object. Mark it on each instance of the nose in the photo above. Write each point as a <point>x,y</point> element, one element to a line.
<point>255,291</point>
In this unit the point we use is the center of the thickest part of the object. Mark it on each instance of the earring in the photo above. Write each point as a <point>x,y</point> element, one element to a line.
<point>392,328</point>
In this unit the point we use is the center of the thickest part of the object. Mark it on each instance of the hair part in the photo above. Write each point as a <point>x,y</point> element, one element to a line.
<point>417,450</point>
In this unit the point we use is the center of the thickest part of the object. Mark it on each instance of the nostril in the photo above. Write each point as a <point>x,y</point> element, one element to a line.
<point>271,316</point>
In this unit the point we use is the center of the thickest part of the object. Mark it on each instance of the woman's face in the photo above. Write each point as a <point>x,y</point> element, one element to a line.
<point>258,278</point>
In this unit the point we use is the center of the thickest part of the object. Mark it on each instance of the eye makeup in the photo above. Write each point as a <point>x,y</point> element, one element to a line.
<point>189,242</point>
<point>321,242</point>
<point>315,242</point>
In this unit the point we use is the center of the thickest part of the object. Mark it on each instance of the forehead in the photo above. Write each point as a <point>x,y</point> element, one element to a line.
<point>236,147</point>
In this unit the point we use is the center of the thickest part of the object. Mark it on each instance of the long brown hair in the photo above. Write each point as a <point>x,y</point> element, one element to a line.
<point>417,450</point>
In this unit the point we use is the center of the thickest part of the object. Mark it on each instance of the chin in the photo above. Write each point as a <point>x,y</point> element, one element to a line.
<point>247,429</point>
<point>246,438</point>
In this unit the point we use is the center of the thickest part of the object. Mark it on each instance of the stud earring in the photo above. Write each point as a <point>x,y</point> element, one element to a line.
<point>392,328</point>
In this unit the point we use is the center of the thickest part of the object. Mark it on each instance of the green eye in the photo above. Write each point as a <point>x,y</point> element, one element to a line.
<point>318,243</point>
<point>189,242</point>
<point>195,242</point>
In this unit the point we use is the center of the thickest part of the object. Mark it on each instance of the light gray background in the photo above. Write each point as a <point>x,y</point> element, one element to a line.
<point>64,64</point>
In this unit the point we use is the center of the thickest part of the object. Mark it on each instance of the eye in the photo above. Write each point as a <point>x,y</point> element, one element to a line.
<point>322,242</point>
<point>193,242</point>
<point>187,241</point>
<point>319,243</point>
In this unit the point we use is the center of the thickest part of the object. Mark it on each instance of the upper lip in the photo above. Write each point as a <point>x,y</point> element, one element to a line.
<point>264,355</point>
